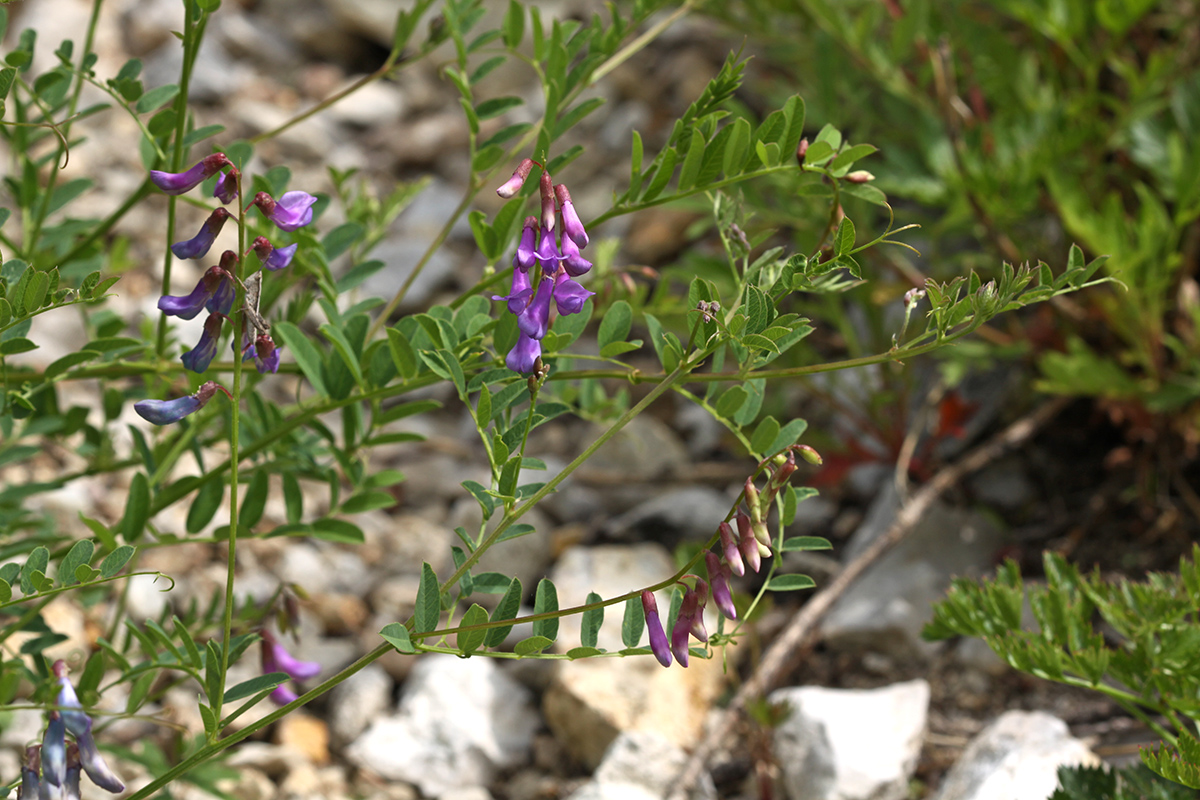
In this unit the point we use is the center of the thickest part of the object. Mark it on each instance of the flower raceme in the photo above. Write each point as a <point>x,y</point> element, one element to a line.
<point>557,261</point>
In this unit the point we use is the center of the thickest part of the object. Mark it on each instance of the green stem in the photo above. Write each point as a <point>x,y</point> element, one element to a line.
<point>52,179</point>
<point>239,324</point>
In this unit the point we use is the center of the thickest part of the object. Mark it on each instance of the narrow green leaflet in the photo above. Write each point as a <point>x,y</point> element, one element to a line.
<point>116,561</point>
<point>306,354</point>
<point>790,583</point>
<point>79,555</point>
<point>532,645</point>
<point>794,543</point>
<point>593,618</point>
<point>546,602</point>
<point>397,636</point>
<point>470,641</point>
<point>429,603</point>
<point>137,508</point>
<point>507,608</point>
<point>633,623</point>
<point>259,683</point>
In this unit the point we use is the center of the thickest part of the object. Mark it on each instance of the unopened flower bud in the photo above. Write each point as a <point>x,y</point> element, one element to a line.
<point>753,501</point>
<point>912,296</point>
<point>750,549</point>
<point>718,576</point>
<point>808,454</point>
<point>572,227</point>
<point>546,186</point>
<point>801,149</point>
<point>860,176</point>
<point>658,638</point>
<point>729,547</point>
<point>514,184</point>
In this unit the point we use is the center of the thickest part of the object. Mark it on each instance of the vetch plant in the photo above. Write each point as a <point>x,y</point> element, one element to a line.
<point>510,363</point>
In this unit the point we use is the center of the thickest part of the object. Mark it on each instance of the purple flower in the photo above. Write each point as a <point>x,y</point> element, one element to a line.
<point>188,306</point>
<point>747,544</point>
<point>199,357</point>
<point>198,246</point>
<point>730,548</point>
<point>514,184</point>
<point>718,576</point>
<point>273,258</point>
<point>71,784</point>
<point>180,182</point>
<point>226,188</point>
<point>518,298</point>
<point>658,639</point>
<point>524,355</point>
<point>54,750</point>
<point>689,612</point>
<point>276,658</point>
<point>569,296</point>
<point>264,352</point>
<point>29,773</point>
<point>547,252</point>
<point>292,211</point>
<point>574,263</point>
<point>526,255</point>
<point>165,412</point>
<point>572,227</point>
<point>534,320</point>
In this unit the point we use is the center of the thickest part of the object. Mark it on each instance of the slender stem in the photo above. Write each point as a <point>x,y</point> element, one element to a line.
<point>107,225</point>
<point>239,325</point>
<point>44,209</point>
<point>629,50</point>
<point>192,34</point>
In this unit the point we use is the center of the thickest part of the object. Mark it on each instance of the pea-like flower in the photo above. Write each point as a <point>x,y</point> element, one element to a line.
<point>718,577</point>
<point>199,245</point>
<point>214,290</point>
<point>70,790</point>
<point>658,638</point>
<point>526,255</point>
<point>524,355</point>
<point>180,182</point>
<point>199,357</point>
<point>226,189</point>
<point>30,769</point>
<point>54,750</point>
<point>513,185</point>
<point>273,258</point>
<point>290,212</point>
<point>165,412</point>
<point>569,295</point>
<point>264,352</point>
<point>534,320</point>
<point>276,658</point>
<point>729,546</point>
<point>572,227</point>
<point>80,726</point>
<point>685,623</point>
<point>518,298</point>
<point>573,261</point>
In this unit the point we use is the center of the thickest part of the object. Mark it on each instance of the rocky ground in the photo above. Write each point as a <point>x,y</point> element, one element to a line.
<point>875,711</point>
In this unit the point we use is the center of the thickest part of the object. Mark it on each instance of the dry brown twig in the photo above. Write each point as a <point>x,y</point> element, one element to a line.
<point>804,629</point>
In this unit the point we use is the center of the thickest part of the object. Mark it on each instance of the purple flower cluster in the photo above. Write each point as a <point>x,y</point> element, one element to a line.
<point>545,271</point>
<point>276,658</point>
<point>52,769</point>
<point>748,546</point>
<point>216,290</point>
